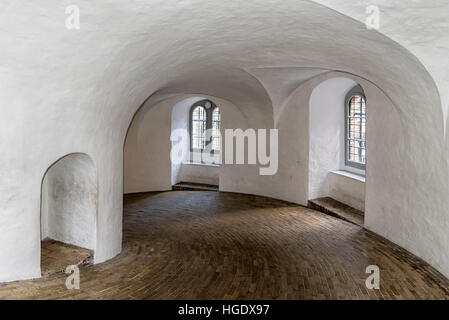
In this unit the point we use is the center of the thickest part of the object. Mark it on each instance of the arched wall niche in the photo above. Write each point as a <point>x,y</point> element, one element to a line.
<point>110,79</point>
<point>147,164</point>
<point>69,200</point>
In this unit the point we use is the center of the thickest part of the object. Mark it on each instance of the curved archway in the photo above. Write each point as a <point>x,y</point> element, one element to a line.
<point>69,197</point>
<point>314,115</point>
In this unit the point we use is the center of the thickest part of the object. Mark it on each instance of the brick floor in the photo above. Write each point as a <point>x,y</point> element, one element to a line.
<point>337,209</point>
<point>56,256</point>
<point>211,245</point>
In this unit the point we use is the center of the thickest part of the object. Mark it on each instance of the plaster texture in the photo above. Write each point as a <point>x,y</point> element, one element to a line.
<point>347,189</point>
<point>420,26</point>
<point>327,133</point>
<point>205,174</point>
<point>180,116</point>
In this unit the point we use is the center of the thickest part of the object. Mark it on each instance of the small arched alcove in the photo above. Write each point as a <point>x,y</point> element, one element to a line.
<point>68,212</point>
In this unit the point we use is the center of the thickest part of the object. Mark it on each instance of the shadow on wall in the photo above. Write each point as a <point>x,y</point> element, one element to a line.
<point>69,201</point>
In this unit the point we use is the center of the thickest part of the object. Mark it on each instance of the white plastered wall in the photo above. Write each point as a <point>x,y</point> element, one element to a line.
<point>423,30</point>
<point>404,195</point>
<point>147,149</point>
<point>197,173</point>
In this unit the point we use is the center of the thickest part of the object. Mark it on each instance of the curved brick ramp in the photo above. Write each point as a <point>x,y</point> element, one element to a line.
<point>210,245</point>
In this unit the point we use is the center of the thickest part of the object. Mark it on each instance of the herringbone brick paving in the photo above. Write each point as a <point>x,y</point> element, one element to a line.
<point>210,245</point>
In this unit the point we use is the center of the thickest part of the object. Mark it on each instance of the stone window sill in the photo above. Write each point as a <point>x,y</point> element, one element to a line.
<point>189,163</point>
<point>350,175</point>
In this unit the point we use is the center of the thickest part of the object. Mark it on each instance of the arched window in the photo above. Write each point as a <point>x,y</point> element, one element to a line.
<point>198,130</point>
<point>205,116</point>
<point>216,141</point>
<point>355,125</point>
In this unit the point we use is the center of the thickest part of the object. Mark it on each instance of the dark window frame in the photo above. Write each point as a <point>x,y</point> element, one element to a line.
<point>355,91</point>
<point>209,123</point>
